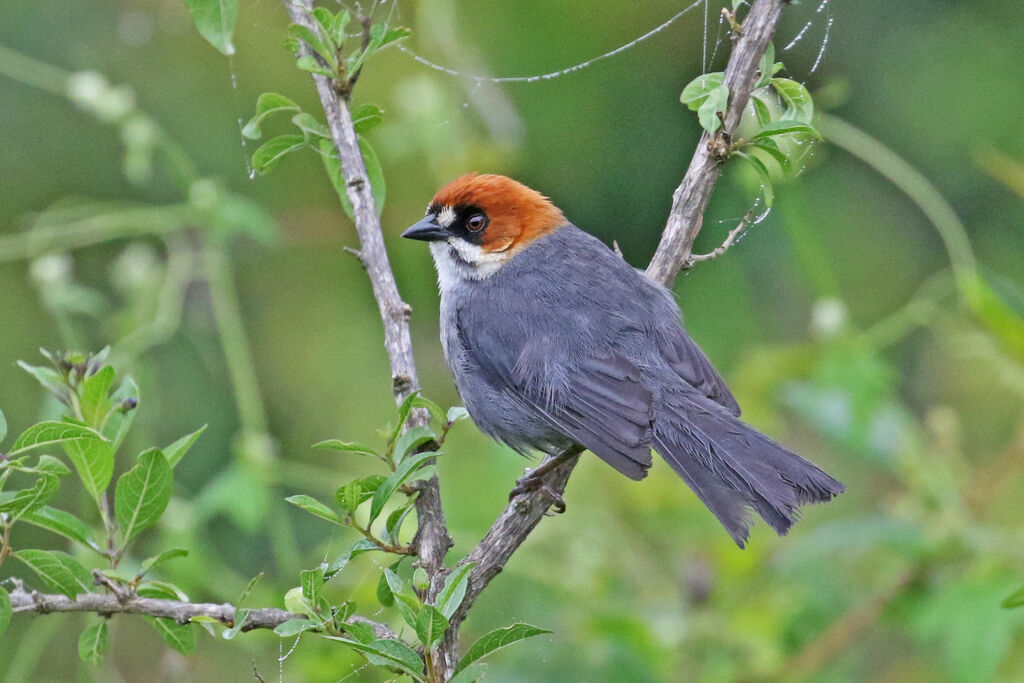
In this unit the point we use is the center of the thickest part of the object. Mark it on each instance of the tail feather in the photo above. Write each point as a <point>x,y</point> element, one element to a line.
<point>734,468</point>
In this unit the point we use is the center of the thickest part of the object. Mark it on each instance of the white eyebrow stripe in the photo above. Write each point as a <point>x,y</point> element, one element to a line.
<point>446,217</point>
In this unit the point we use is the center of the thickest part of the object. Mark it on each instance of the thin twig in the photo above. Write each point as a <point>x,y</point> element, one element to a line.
<point>101,579</point>
<point>730,240</point>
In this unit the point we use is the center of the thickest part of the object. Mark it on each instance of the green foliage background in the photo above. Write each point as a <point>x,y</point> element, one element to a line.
<point>835,320</point>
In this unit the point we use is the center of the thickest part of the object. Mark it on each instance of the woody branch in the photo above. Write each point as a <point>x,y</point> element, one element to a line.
<point>432,540</point>
<point>181,612</point>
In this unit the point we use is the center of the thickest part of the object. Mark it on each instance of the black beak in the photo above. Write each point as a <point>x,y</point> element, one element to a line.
<point>427,230</point>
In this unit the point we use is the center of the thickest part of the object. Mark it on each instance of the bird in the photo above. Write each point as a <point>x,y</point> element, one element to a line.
<point>556,344</point>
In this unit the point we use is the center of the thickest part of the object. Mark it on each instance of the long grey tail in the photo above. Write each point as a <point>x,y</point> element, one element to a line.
<point>734,468</point>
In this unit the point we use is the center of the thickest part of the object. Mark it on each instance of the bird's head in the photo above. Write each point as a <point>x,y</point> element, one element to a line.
<point>477,223</point>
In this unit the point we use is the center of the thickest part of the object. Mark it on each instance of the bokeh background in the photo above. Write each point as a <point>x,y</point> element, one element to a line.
<point>837,320</point>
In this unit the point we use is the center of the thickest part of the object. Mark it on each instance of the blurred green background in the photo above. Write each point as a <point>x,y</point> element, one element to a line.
<point>837,321</point>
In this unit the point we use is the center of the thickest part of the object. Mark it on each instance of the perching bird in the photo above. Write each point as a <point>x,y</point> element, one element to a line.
<point>554,341</point>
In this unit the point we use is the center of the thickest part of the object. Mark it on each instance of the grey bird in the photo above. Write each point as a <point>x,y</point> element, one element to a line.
<point>555,342</point>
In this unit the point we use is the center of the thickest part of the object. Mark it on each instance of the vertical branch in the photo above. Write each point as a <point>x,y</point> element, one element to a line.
<point>432,540</point>
<point>690,199</point>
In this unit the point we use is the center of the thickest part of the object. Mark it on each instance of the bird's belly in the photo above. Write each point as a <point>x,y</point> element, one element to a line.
<point>506,418</point>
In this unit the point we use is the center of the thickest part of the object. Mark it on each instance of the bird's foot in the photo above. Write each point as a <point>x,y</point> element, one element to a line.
<point>532,481</point>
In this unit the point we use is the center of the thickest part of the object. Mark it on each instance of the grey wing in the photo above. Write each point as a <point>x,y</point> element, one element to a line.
<point>599,402</point>
<point>690,363</point>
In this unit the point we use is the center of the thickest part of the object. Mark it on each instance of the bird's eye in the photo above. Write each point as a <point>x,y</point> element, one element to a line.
<point>476,222</point>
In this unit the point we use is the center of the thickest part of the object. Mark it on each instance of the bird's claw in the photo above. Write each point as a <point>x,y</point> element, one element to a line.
<point>529,483</point>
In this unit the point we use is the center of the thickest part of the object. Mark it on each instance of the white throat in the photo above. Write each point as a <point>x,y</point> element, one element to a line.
<point>458,261</point>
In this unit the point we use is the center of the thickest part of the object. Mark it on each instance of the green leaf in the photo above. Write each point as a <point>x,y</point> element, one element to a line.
<point>761,111</point>
<point>52,432</point>
<point>240,616</point>
<point>94,396</point>
<point>319,41</point>
<point>1015,599</point>
<point>312,580</point>
<point>120,421</point>
<point>385,35</point>
<point>356,492</point>
<point>338,445</point>
<point>697,90</point>
<point>179,448</point>
<point>361,546</point>
<point>455,584</point>
<point>799,105</point>
<point>93,459</point>
<point>407,604</point>
<point>48,464</point>
<point>215,21</point>
<point>309,63</point>
<point>397,478</point>
<point>784,127</point>
<point>272,151</point>
<point>160,589</point>
<point>310,127</point>
<point>341,20</point>
<point>142,493</point>
<point>166,556</point>
<point>366,117</point>
<point>430,626</point>
<point>766,67</point>
<point>388,652</point>
<point>181,637</point>
<point>375,174</point>
<point>707,114</point>
<point>768,146</point>
<point>62,523</point>
<point>762,172</point>
<point>332,166</point>
<point>49,378</point>
<point>403,414</point>
<point>325,18</point>
<point>471,674</point>
<point>497,639</point>
<point>385,595</point>
<point>393,524</point>
<point>435,410</point>
<point>456,413</point>
<point>361,631</point>
<point>411,439</point>
<point>294,627</point>
<point>315,507</point>
<point>3,426</point>
<point>5,610</point>
<point>28,500</point>
<point>93,642</point>
<point>58,570</point>
<point>266,104</point>
<point>381,36</point>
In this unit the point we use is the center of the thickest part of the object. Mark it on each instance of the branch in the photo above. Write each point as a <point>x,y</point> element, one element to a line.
<point>181,612</point>
<point>432,540</point>
<point>730,240</point>
<point>690,199</point>
<point>525,511</point>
